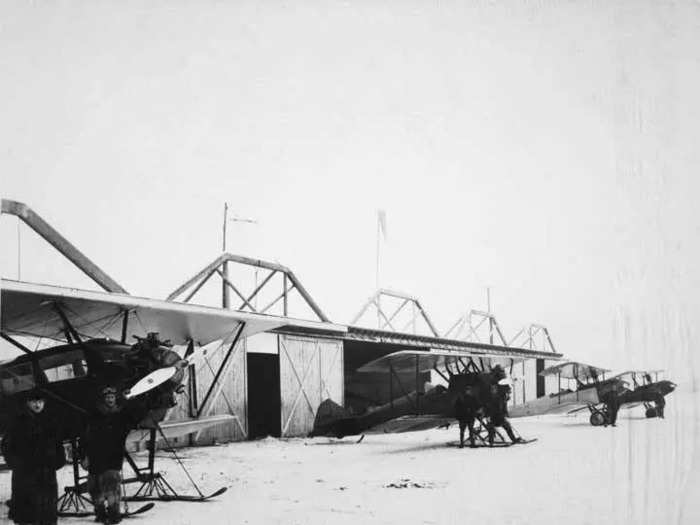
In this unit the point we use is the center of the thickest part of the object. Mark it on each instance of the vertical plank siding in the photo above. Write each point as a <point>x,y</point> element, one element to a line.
<point>232,398</point>
<point>311,371</point>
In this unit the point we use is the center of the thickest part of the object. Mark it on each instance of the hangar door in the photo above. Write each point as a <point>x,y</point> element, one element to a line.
<point>311,371</point>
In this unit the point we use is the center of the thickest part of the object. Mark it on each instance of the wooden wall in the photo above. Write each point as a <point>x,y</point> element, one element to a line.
<point>311,371</point>
<point>230,396</point>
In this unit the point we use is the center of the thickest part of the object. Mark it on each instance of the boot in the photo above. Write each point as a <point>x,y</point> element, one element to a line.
<point>100,514</point>
<point>113,515</point>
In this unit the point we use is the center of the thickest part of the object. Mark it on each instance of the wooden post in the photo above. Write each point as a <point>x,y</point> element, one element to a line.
<point>284,287</point>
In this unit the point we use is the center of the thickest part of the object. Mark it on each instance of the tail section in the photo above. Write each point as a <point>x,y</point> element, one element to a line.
<point>333,420</point>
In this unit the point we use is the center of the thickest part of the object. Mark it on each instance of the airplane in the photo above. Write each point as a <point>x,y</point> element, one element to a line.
<point>591,389</point>
<point>87,334</point>
<point>595,393</point>
<point>434,405</point>
<point>647,392</point>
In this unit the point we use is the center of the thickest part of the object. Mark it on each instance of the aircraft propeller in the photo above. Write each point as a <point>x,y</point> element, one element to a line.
<point>160,376</point>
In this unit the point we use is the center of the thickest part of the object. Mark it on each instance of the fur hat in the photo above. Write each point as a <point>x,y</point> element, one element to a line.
<point>34,393</point>
<point>107,389</point>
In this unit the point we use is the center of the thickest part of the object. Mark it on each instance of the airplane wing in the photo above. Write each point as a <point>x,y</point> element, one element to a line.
<point>177,429</point>
<point>411,423</point>
<point>638,373</point>
<point>574,370</point>
<point>556,403</point>
<point>33,310</point>
<point>424,361</point>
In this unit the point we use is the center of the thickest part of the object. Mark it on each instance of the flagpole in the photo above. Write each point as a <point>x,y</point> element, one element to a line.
<point>225,298</point>
<point>376,276</point>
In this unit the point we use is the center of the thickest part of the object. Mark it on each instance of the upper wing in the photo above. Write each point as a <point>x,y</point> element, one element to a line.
<point>574,370</point>
<point>424,361</point>
<point>32,310</point>
<point>638,373</point>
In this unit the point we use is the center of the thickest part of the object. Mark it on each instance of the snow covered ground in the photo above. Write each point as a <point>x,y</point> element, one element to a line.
<point>636,473</point>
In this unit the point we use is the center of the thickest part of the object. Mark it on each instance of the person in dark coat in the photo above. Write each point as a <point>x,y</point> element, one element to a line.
<point>102,452</point>
<point>33,452</point>
<point>612,407</point>
<point>498,404</point>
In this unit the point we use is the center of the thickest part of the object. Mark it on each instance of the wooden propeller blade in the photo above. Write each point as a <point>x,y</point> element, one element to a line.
<point>151,381</point>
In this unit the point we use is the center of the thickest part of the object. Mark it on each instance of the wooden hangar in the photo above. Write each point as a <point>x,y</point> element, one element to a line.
<point>272,383</point>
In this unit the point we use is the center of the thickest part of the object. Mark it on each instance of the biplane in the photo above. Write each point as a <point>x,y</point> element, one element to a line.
<point>645,388</point>
<point>590,390</point>
<point>426,406</point>
<point>92,338</point>
<point>598,394</point>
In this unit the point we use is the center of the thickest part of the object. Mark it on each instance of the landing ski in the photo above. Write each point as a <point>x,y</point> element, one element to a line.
<point>128,514</point>
<point>178,497</point>
<point>496,444</point>
<point>524,441</point>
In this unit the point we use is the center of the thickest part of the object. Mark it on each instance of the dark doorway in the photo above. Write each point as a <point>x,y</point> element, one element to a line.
<point>367,389</point>
<point>539,368</point>
<point>263,395</point>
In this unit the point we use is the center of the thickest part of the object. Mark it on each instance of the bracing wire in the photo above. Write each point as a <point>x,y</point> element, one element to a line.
<point>177,458</point>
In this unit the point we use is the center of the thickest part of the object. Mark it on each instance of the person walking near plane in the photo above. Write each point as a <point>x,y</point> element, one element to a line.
<point>34,453</point>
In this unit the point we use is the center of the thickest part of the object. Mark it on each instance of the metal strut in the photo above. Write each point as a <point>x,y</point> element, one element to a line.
<point>154,486</point>
<point>72,499</point>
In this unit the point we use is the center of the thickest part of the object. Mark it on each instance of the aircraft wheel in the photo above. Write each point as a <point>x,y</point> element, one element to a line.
<point>597,418</point>
<point>651,412</point>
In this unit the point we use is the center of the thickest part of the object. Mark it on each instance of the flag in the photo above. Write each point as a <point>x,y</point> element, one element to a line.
<point>381,221</point>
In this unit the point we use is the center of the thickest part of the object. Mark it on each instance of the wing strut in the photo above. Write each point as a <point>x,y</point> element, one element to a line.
<point>215,382</point>
<point>71,333</point>
<point>39,375</point>
<point>125,325</point>
<point>441,374</point>
<point>41,382</point>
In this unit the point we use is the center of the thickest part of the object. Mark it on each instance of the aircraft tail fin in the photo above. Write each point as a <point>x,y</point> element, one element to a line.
<point>329,419</point>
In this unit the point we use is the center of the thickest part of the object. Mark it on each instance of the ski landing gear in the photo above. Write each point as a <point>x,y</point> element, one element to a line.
<point>125,514</point>
<point>481,435</point>
<point>154,486</point>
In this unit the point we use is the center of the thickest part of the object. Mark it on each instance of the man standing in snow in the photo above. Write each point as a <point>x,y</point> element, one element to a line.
<point>33,452</point>
<point>102,452</point>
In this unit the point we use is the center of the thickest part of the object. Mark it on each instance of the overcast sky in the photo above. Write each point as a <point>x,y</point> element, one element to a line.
<point>545,149</point>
